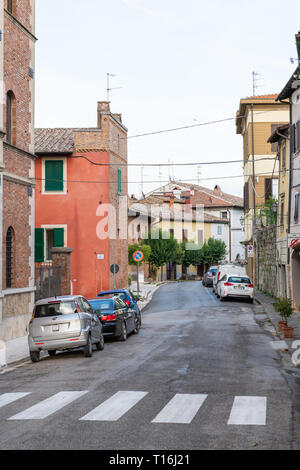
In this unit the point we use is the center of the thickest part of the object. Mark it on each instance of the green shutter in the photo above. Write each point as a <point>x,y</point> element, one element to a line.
<point>119,181</point>
<point>39,245</point>
<point>54,175</point>
<point>59,239</point>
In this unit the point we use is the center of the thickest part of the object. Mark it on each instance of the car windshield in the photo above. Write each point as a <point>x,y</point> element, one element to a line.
<point>102,304</point>
<point>52,309</point>
<point>213,271</point>
<point>240,280</point>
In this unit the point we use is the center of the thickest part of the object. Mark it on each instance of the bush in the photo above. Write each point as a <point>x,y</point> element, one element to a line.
<point>284,307</point>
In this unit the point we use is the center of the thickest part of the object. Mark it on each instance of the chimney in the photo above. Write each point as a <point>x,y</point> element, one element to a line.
<point>217,190</point>
<point>118,117</point>
<point>298,44</point>
<point>102,108</point>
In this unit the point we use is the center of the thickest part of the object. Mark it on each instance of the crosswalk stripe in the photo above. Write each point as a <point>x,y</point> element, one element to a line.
<point>181,409</point>
<point>248,411</point>
<point>115,407</point>
<point>49,406</point>
<point>8,398</point>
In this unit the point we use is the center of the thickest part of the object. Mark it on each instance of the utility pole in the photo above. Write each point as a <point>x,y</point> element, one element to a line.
<point>253,197</point>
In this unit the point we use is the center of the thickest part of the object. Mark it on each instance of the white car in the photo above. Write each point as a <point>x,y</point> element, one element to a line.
<point>232,285</point>
<point>227,269</point>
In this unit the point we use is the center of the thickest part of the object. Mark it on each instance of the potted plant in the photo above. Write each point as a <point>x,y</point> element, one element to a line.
<point>284,307</point>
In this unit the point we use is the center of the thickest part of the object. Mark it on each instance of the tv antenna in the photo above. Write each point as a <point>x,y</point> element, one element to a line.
<point>109,89</point>
<point>255,81</point>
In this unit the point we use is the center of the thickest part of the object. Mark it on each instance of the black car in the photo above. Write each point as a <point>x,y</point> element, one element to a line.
<point>118,320</point>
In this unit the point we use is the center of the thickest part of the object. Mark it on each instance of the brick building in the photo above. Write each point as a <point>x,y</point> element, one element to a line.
<point>16,175</point>
<point>81,183</point>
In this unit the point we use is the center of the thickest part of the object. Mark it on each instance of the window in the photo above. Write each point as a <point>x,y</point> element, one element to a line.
<point>224,215</point>
<point>296,207</point>
<point>298,136</point>
<point>268,189</point>
<point>54,175</point>
<point>53,238</point>
<point>283,161</point>
<point>119,181</point>
<point>10,118</point>
<point>281,212</point>
<point>9,257</point>
<point>219,230</point>
<point>11,6</point>
<point>185,235</point>
<point>246,196</point>
<point>274,145</point>
<point>200,237</point>
<point>293,138</point>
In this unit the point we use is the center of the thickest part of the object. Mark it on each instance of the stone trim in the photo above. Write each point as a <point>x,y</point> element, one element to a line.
<point>22,151</point>
<point>18,179</point>
<point>21,290</point>
<point>20,25</point>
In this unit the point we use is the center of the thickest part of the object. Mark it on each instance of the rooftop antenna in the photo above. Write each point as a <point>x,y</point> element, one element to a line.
<point>198,174</point>
<point>109,89</point>
<point>254,82</point>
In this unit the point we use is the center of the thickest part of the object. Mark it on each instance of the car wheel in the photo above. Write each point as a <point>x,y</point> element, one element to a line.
<point>250,301</point>
<point>88,348</point>
<point>123,335</point>
<point>100,345</point>
<point>137,325</point>
<point>35,356</point>
<point>221,298</point>
<point>52,353</point>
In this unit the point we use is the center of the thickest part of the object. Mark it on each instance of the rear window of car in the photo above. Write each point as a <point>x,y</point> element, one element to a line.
<point>54,309</point>
<point>240,280</point>
<point>103,304</point>
<point>213,271</point>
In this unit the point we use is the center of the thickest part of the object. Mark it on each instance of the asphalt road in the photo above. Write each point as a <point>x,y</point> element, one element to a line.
<point>199,375</point>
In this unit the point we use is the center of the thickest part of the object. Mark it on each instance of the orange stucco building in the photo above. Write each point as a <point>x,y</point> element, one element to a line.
<point>81,185</point>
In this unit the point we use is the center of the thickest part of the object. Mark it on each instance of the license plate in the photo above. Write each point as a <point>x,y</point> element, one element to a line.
<point>55,327</point>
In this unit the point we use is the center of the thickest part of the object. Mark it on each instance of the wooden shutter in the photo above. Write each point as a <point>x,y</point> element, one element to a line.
<point>268,188</point>
<point>119,181</point>
<point>59,239</point>
<point>292,137</point>
<point>296,207</point>
<point>39,245</point>
<point>283,162</point>
<point>54,175</point>
<point>246,196</point>
<point>298,135</point>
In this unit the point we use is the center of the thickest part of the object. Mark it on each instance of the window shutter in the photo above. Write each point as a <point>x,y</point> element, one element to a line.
<point>296,208</point>
<point>54,175</point>
<point>268,188</point>
<point>283,165</point>
<point>59,239</point>
<point>274,145</point>
<point>292,137</point>
<point>39,245</point>
<point>246,196</point>
<point>119,181</point>
<point>298,135</point>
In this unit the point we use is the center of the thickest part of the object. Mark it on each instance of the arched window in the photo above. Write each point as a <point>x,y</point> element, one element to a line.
<point>10,238</point>
<point>10,117</point>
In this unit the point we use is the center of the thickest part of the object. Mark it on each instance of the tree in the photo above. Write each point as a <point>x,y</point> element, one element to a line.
<point>213,251</point>
<point>164,249</point>
<point>145,249</point>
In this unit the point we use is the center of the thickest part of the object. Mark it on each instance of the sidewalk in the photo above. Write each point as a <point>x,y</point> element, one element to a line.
<point>146,291</point>
<point>266,302</point>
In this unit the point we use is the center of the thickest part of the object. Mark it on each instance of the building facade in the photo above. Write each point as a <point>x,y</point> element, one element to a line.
<point>17,69</point>
<point>81,201</point>
<point>257,118</point>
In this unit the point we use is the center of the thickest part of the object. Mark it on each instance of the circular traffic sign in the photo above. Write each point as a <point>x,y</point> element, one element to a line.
<point>114,268</point>
<point>138,256</point>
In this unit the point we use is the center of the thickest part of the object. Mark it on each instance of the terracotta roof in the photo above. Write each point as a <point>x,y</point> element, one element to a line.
<point>270,96</point>
<point>211,198</point>
<point>57,140</point>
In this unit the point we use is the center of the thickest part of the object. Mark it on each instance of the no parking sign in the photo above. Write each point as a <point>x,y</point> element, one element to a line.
<point>138,256</point>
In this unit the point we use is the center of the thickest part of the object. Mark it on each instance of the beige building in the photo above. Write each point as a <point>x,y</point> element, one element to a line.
<point>256,119</point>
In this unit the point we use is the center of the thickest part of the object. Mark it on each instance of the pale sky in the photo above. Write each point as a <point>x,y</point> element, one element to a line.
<point>178,62</point>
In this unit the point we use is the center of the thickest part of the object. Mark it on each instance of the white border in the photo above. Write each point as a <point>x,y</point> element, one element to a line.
<point>57,193</point>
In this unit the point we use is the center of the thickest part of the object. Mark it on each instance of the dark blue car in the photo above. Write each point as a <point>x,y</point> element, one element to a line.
<point>125,295</point>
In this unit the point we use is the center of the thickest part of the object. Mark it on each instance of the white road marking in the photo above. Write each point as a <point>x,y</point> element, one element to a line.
<point>181,409</point>
<point>49,406</point>
<point>115,407</point>
<point>8,398</point>
<point>248,411</point>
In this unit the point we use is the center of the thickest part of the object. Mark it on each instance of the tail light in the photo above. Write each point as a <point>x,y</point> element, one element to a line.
<point>228,284</point>
<point>249,285</point>
<point>127,303</point>
<point>108,317</point>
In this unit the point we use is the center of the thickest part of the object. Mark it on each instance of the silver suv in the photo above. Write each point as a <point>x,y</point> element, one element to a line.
<point>61,323</point>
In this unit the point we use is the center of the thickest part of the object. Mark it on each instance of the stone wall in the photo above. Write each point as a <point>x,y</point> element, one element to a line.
<point>266,260</point>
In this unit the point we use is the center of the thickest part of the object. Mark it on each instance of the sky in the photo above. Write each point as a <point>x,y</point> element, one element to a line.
<point>176,63</point>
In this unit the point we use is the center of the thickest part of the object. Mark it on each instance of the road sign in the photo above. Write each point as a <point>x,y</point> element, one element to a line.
<point>138,256</point>
<point>114,268</point>
<point>250,251</point>
<point>294,242</point>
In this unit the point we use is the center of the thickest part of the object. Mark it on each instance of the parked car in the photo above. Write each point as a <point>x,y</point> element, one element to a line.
<point>224,269</point>
<point>118,319</point>
<point>125,295</point>
<point>232,285</point>
<point>61,323</point>
<point>207,280</point>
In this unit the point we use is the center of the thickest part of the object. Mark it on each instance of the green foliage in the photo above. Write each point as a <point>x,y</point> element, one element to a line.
<point>284,307</point>
<point>267,213</point>
<point>146,249</point>
<point>164,248</point>
<point>210,253</point>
